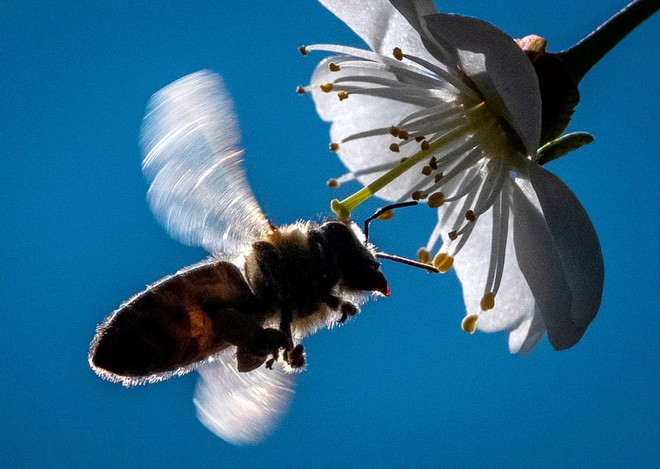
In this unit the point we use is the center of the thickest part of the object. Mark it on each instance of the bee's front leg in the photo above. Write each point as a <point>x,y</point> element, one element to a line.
<point>348,310</point>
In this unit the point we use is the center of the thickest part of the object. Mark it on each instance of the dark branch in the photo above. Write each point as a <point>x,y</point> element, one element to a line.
<point>586,53</point>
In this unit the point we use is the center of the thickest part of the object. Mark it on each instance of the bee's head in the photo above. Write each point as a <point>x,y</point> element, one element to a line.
<point>358,268</point>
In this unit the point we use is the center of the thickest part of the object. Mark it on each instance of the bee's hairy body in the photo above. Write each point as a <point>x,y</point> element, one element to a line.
<point>295,276</point>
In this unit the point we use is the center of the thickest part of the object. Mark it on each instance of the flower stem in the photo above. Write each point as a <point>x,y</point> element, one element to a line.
<point>586,53</point>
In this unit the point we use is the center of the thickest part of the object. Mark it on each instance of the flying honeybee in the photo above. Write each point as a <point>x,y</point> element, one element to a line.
<point>237,317</point>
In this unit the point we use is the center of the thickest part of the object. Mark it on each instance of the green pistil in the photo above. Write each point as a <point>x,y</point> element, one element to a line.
<point>344,208</point>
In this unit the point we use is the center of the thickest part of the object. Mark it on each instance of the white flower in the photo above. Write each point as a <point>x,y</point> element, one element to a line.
<point>447,109</point>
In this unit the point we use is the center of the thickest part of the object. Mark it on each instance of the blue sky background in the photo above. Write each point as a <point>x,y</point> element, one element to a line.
<point>399,385</point>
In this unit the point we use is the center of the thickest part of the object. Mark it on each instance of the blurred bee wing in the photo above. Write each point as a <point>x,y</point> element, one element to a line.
<point>198,189</point>
<point>242,408</point>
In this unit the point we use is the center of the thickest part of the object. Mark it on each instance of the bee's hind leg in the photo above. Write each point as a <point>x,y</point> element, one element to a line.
<point>265,343</point>
<point>294,356</point>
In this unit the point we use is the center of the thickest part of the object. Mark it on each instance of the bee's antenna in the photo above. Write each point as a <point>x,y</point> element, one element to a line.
<point>382,255</point>
<point>405,260</point>
<point>381,211</point>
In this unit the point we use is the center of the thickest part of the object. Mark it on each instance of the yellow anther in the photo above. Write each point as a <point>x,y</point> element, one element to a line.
<point>416,195</point>
<point>386,215</point>
<point>333,67</point>
<point>443,262</point>
<point>332,183</point>
<point>394,147</point>
<point>427,170</point>
<point>438,177</point>
<point>487,301</point>
<point>425,145</point>
<point>419,138</point>
<point>398,53</point>
<point>469,323</point>
<point>452,235</point>
<point>404,135</point>
<point>334,147</point>
<point>424,256</point>
<point>470,216</point>
<point>327,87</point>
<point>433,163</point>
<point>342,95</point>
<point>394,131</point>
<point>300,90</point>
<point>303,50</point>
<point>436,199</point>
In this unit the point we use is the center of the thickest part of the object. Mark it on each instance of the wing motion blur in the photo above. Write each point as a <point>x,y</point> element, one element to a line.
<point>238,324</point>
<point>192,158</point>
<point>242,408</point>
<point>198,191</point>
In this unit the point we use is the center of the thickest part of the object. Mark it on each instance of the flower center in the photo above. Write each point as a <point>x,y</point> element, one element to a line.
<point>462,152</point>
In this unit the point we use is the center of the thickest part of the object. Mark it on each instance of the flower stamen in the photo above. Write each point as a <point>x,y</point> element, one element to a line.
<point>444,74</point>
<point>443,262</point>
<point>418,195</point>
<point>436,200</point>
<point>424,256</point>
<point>469,323</point>
<point>487,301</point>
<point>346,206</point>
<point>365,134</point>
<point>386,215</point>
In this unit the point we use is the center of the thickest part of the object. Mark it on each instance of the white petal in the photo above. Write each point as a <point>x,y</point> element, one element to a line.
<point>527,335</point>
<point>499,68</point>
<point>541,264</point>
<point>380,25</point>
<point>361,113</point>
<point>514,304</point>
<point>331,109</point>
<point>577,245</point>
<point>414,10</point>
